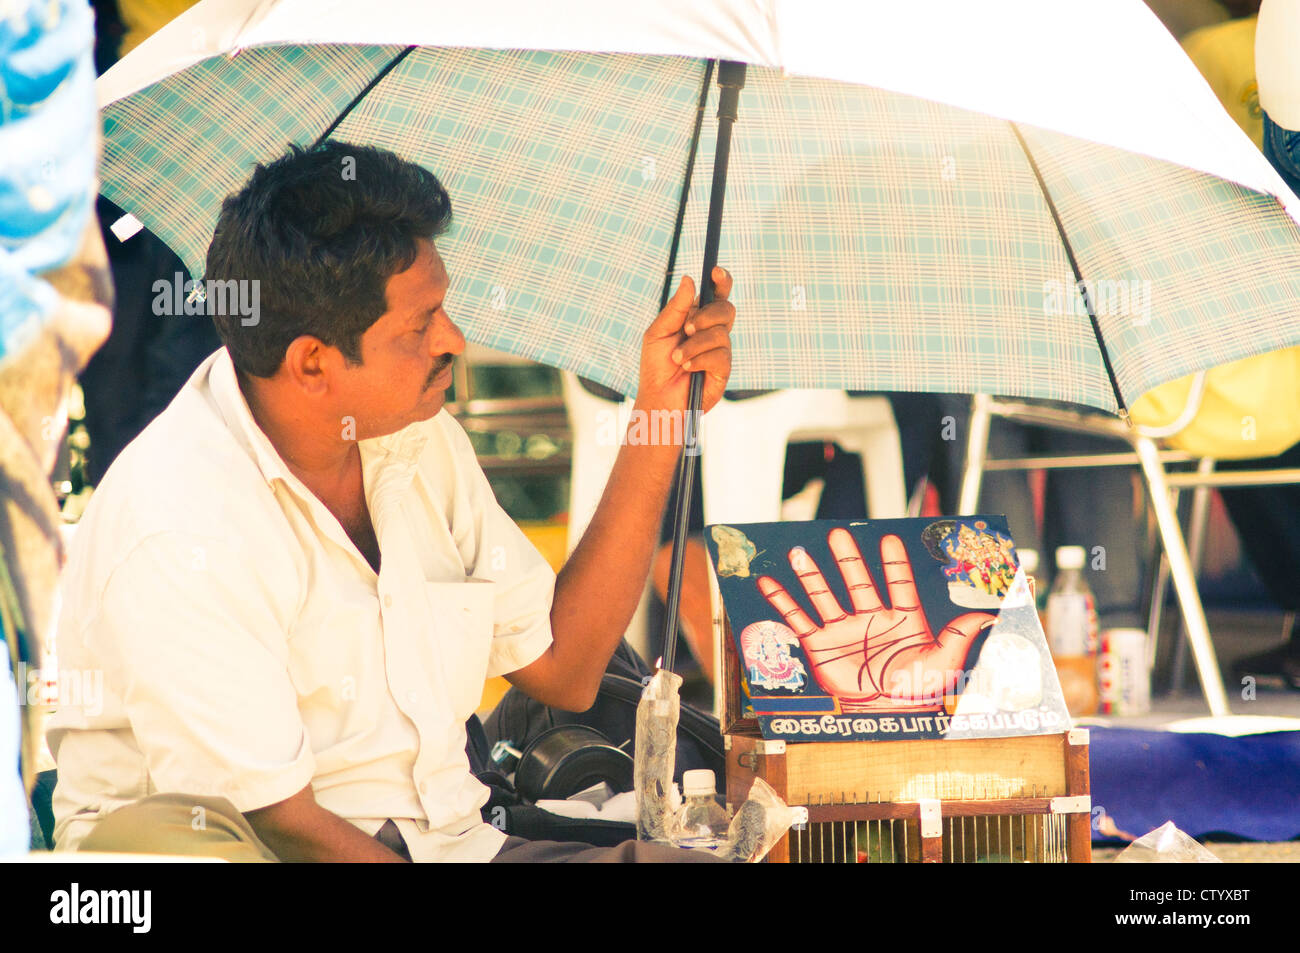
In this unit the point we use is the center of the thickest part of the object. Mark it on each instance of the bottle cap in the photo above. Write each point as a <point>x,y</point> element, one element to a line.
<point>699,781</point>
<point>1070,557</point>
<point>1028,560</point>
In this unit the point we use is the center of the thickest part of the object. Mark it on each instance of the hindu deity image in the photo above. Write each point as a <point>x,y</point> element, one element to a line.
<point>768,662</point>
<point>975,557</point>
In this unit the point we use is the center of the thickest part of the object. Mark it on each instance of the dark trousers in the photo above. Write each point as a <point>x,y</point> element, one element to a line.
<point>516,850</point>
<point>1267,519</point>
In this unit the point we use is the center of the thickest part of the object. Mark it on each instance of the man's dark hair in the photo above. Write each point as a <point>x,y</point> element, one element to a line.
<point>322,230</point>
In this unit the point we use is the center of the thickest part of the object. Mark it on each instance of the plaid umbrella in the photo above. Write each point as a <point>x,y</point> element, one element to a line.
<point>879,241</point>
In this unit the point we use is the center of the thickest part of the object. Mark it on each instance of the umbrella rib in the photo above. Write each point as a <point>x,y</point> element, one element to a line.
<point>667,291</point>
<point>356,100</point>
<point>1078,277</point>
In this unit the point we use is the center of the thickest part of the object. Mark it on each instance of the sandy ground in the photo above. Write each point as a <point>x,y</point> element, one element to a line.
<point>1238,853</point>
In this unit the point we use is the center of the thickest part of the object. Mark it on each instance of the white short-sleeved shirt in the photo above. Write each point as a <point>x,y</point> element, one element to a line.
<point>247,648</point>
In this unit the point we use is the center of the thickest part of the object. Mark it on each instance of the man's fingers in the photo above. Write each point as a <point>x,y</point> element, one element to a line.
<point>700,342</point>
<point>901,584</point>
<point>721,283</point>
<point>862,591</point>
<point>714,364</point>
<point>718,314</point>
<point>719,311</point>
<point>781,601</point>
<point>679,308</point>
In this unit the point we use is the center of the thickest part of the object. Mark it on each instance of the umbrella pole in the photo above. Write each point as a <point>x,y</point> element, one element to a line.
<point>731,77</point>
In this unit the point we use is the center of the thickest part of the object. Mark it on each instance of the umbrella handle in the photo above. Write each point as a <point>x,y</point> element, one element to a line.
<point>731,78</point>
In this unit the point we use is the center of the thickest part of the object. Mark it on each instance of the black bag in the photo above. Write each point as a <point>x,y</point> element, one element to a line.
<point>519,720</point>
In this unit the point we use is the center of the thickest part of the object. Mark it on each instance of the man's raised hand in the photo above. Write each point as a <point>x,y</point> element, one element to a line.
<point>685,338</point>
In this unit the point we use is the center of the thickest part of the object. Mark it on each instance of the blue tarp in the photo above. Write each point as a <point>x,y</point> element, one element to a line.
<point>1205,783</point>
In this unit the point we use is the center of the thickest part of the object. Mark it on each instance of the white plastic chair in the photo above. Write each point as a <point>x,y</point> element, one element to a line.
<point>744,445</point>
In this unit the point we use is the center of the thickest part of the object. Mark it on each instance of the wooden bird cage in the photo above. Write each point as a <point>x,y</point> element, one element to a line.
<point>1000,800</point>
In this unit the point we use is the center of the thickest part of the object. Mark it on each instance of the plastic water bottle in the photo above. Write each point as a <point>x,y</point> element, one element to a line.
<point>704,821</point>
<point>1029,566</point>
<point>1072,631</point>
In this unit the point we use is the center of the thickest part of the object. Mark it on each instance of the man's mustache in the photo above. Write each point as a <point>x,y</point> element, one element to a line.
<point>443,363</point>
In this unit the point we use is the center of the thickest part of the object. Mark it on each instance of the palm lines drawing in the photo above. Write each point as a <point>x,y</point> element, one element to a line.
<point>869,650</point>
<point>857,668</point>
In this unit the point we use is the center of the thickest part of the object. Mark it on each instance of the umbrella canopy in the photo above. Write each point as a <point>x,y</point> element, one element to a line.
<point>880,240</point>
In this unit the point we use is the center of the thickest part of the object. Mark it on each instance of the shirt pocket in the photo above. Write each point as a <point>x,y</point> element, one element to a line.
<point>461,622</point>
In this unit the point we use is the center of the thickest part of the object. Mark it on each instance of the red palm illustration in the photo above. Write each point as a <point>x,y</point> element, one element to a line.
<point>874,659</point>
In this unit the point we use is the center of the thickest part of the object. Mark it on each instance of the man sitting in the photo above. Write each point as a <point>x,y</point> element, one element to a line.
<point>296,580</point>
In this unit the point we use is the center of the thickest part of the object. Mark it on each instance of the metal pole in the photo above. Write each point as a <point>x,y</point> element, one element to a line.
<point>977,450</point>
<point>731,78</point>
<point>1196,530</point>
<point>1156,612</point>
<point>1189,600</point>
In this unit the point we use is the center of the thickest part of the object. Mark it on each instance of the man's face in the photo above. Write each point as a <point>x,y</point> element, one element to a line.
<point>406,355</point>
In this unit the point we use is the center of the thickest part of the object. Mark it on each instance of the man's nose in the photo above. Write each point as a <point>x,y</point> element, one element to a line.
<point>449,339</point>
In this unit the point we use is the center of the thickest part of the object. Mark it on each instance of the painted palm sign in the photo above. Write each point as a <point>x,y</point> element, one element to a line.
<point>937,637</point>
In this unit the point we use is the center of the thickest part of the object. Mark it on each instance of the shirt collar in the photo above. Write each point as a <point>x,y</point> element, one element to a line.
<point>224,386</point>
<point>403,447</point>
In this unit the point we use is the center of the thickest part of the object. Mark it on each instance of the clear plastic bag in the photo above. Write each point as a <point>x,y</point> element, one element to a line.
<point>656,756</point>
<point>761,821</point>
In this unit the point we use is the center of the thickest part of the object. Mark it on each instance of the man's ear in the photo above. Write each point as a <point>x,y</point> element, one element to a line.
<point>308,363</point>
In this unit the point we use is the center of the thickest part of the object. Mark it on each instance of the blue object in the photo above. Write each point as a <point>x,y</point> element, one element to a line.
<point>48,128</point>
<point>1282,149</point>
<point>1204,783</point>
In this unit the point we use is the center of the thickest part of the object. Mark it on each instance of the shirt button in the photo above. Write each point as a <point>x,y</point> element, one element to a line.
<point>388,602</point>
<point>412,697</point>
